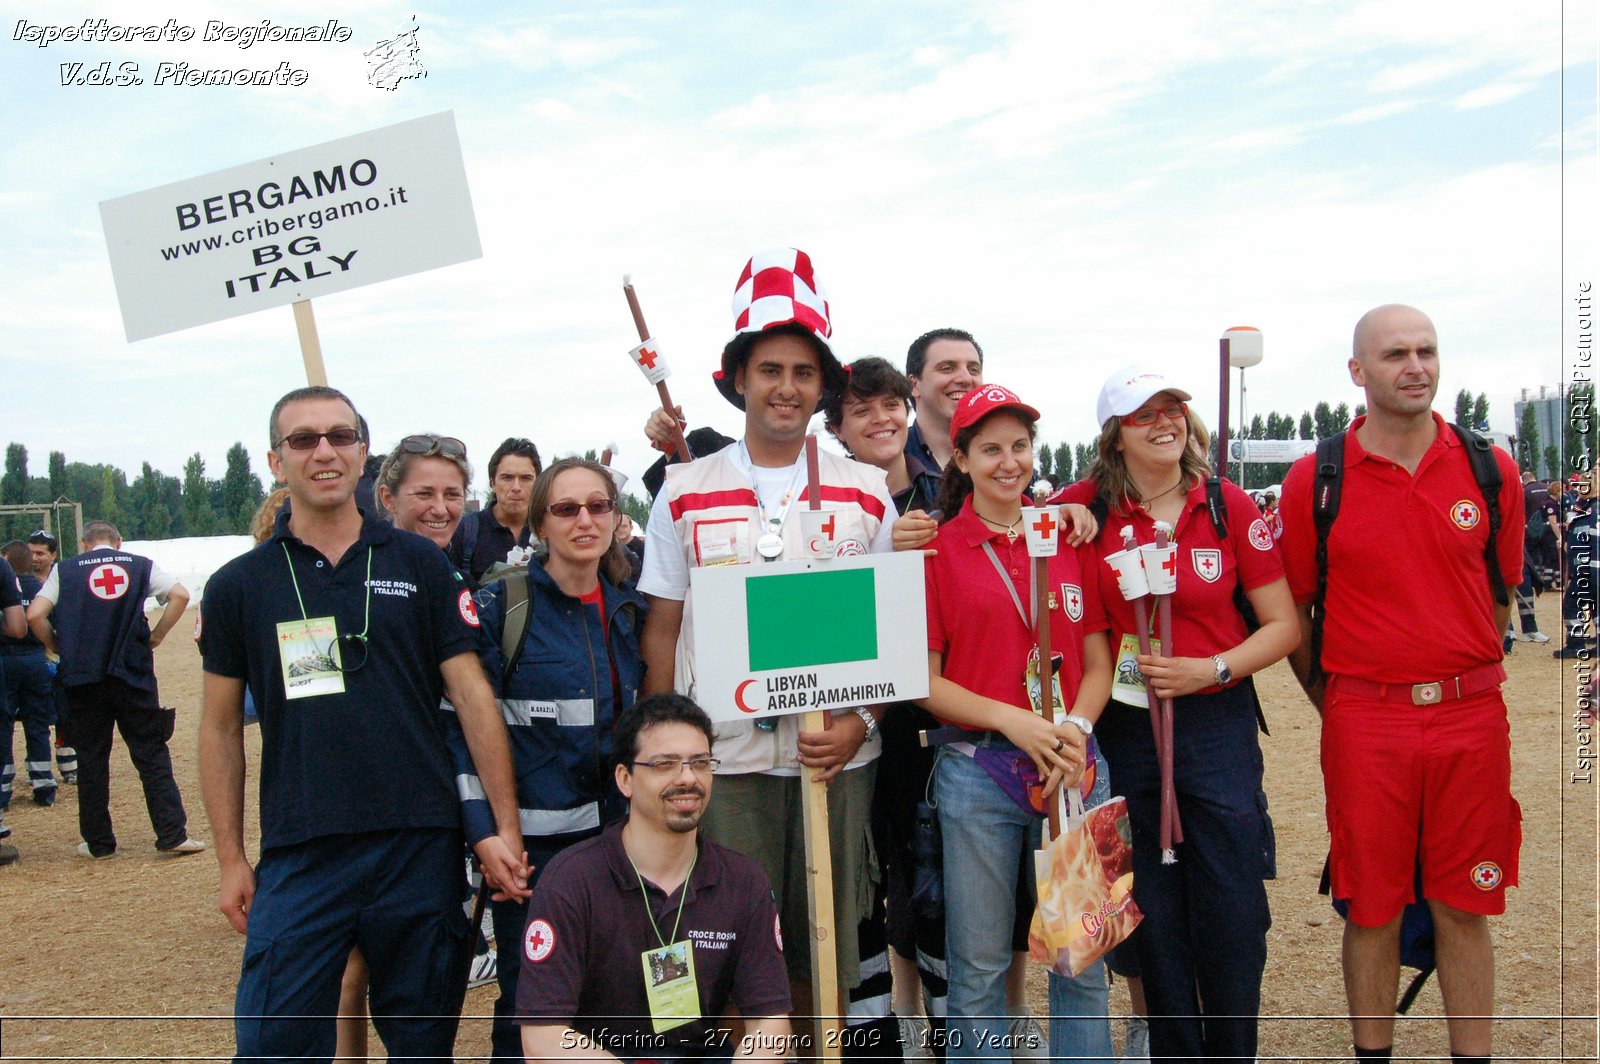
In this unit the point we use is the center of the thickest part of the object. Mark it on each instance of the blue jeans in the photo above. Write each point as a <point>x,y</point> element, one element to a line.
<point>1202,946</point>
<point>985,836</point>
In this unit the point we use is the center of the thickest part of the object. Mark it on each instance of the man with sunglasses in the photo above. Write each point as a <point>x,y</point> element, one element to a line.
<point>637,940</point>
<point>107,665</point>
<point>347,631</point>
<point>502,531</point>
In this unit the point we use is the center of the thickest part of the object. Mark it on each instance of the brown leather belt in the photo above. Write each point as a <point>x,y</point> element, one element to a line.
<point>1425,694</point>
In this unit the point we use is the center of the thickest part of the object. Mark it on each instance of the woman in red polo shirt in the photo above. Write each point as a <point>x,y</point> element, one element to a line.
<point>1202,946</point>
<point>980,634</point>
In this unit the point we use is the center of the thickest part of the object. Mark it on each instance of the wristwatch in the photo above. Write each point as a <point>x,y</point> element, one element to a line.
<point>1224,674</point>
<point>868,719</point>
<point>1082,723</point>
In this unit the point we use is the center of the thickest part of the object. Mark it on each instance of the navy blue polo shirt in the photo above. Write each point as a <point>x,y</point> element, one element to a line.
<point>28,585</point>
<point>10,590</point>
<point>371,758</point>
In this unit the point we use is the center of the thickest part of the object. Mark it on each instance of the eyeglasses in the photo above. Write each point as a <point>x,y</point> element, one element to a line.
<point>671,766</point>
<point>596,508</point>
<point>352,645</point>
<point>305,441</point>
<point>1141,418</point>
<point>427,443</point>
<point>41,536</point>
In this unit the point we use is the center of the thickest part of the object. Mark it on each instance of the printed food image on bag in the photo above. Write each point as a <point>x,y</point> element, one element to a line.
<point>1085,880</point>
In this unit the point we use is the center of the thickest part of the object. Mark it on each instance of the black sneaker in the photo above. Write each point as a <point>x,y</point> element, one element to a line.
<point>69,777</point>
<point>8,854</point>
<point>45,796</point>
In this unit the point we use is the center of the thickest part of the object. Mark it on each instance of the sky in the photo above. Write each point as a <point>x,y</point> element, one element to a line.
<point>1081,186</point>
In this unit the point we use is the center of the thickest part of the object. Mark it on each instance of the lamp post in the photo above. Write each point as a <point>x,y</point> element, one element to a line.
<point>1240,346</point>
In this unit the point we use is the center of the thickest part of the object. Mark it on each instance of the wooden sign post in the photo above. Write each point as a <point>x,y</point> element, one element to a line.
<point>679,443</point>
<point>310,347</point>
<point>819,855</point>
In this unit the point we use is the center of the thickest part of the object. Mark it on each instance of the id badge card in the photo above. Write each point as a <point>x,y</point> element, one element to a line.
<point>1058,707</point>
<point>669,985</point>
<point>308,654</point>
<point>1127,683</point>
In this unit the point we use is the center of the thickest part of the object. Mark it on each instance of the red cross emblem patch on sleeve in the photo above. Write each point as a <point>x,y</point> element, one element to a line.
<point>1486,876</point>
<point>109,581</point>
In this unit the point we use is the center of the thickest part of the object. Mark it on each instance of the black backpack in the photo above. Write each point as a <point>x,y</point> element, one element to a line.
<point>1325,507</point>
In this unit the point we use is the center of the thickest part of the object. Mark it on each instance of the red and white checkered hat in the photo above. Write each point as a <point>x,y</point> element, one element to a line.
<point>778,290</point>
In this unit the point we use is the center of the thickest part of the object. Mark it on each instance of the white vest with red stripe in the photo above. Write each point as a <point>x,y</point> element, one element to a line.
<point>718,521</point>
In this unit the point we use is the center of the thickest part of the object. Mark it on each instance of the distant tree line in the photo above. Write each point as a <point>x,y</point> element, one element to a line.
<point>153,506</point>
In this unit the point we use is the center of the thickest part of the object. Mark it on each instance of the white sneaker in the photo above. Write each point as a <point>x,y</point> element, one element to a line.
<point>84,851</point>
<point>1027,1041</point>
<point>1534,637</point>
<point>1136,1043</point>
<point>914,1038</point>
<point>485,966</point>
<point>186,846</point>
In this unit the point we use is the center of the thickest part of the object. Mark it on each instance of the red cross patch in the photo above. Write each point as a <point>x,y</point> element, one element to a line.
<point>1207,564</point>
<point>109,581</point>
<point>777,932</point>
<point>1072,601</point>
<point>1486,875</point>
<point>1260,535</point>
<point>469,612</point>
<point>538,940</point>
<point>1465,514</point>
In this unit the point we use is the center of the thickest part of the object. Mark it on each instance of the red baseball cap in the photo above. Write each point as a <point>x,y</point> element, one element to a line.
<point>983,401</point>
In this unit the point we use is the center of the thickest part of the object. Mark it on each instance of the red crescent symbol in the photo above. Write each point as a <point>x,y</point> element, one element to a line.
<point>738,697</point>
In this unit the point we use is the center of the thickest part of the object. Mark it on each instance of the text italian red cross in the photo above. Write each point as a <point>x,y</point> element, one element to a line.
<point>109,581</point>
<point>1045,526</point>
<point>828,526</point>
<point>647,358</point>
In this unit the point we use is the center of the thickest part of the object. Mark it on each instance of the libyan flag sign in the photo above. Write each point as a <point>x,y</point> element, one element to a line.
<point>789,637</point>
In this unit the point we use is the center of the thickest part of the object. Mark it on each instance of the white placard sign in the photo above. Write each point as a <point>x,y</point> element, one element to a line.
<point>351,212</point>
<point>788,637</point>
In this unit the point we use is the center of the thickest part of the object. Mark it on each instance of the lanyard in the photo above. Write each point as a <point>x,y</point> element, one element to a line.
<point>366,620</point>
<point>681,900</point>
<point>1027,615</point>
<point>773,523</point>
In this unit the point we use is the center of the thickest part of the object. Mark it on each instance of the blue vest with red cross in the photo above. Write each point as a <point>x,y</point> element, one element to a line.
<point>100,622</point>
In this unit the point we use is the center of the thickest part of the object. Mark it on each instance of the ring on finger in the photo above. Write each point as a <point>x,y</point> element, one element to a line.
<point>1061,744</point>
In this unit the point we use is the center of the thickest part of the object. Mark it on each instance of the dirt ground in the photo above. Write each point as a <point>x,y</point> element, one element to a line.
<point>129,959</point>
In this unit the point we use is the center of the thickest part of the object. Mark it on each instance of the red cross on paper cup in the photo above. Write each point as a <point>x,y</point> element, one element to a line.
<point>1161,568</point>
<point>109,581</point>
<point>647,356</point>
<point>1128,565</point>
<point>820,528</point>
<point>1041,525</point>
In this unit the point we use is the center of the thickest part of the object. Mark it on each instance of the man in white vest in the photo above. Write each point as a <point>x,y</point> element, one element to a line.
<point>740,506</point>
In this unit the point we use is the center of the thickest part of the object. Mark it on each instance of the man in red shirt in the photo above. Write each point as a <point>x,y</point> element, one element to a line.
<point>1416,752</point>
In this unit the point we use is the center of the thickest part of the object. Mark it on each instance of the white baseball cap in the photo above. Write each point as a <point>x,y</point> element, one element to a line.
<point>1130,388</point>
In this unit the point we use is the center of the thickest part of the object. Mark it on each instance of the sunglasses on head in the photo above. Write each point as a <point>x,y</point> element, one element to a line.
<point>42,537</point>
<point>596,508</point>
<point>428,444</point>
<point>1141,418</point>
<point>305,441</point>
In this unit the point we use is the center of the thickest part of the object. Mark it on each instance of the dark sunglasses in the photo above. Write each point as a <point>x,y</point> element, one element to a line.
<point>596,508</point>
<point>428,444</point>
<point>42,537</point>
<point>1141,418</point>
<point>305,441</point>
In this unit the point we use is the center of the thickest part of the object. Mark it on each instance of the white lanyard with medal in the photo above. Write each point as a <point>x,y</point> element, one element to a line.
<point>308,649</point>
<point>770,544</point>
<point>1030,622</point>
<point>669,981</point>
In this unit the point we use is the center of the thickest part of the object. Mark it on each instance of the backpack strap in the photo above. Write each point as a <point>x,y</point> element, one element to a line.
<point>1486,471</point>
<point>519,605</point>
<point>1324,508</point>
<point>469,540</point>
<point>1217,505</point>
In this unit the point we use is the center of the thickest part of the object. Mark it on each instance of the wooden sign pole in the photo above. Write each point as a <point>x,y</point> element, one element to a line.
<point>310,347</point>
<point>679,443</point>
<point>1047,668</point>
<point>819,858</point>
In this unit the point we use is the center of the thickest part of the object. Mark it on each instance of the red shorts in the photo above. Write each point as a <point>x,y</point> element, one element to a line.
<point>1430,784</point>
